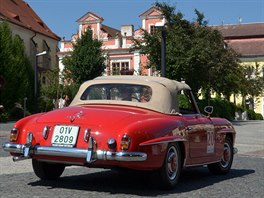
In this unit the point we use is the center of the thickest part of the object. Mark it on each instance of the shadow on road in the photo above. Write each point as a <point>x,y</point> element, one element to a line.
<point>140,184</point>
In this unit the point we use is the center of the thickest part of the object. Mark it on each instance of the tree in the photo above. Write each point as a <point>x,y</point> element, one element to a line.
<point>51,91</point>
<point>15,69</point>
<point>253,86</point>
<point>86,61</point>
<point>195,53</point>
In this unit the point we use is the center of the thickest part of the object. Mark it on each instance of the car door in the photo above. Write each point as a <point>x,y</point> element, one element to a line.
<point>199,129</point>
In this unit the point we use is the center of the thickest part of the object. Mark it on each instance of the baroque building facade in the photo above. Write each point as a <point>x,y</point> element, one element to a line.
<point>116,43</point>
<point>246,39</point>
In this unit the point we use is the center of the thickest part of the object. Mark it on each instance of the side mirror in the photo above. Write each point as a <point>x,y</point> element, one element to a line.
<point>209,110</point>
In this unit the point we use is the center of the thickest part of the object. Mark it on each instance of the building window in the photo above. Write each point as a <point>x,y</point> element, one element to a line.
<point>120,68</point>
<point>153,29</point>
<point>115,68</point>
<point>89,28</point>
<point>124,66</point>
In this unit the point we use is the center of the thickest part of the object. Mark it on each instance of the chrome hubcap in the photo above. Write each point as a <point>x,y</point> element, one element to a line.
<point>172,163</point>
<point>226,156</point>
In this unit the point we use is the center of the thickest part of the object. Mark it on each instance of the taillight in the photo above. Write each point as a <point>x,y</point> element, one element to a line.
<point>14,134</point>
<point>125,142</point>
<point>87,134</point>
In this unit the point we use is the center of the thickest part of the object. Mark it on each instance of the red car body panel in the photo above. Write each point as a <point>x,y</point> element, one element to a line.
<point>150,131</point>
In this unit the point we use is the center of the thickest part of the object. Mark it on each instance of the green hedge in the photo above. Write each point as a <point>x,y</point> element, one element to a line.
<point>225,109</point>
<point>259,116</point>
<point>222,108</point>
<point>254,116</point>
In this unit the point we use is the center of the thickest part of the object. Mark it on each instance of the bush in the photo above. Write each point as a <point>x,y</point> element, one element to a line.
<point>259,116</point>
<point>222,108</point>
<point>254,116</point>
<point>251,114</point>
<point>16,112</point>
<point>4,116</point>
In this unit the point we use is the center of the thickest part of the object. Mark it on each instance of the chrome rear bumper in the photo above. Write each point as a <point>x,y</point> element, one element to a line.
<point>89,154</point>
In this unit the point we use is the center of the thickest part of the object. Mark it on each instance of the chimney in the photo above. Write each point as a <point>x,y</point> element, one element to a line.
<point>127,30</point>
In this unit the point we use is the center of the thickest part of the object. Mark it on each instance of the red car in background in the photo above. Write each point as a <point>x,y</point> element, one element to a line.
<point>133,122</point>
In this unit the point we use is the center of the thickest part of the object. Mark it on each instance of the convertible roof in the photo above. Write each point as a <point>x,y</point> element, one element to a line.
<point>170,84</point>
<point>163,94</point>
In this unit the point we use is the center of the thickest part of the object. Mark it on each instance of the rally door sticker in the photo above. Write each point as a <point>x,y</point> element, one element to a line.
<point>210,142</point>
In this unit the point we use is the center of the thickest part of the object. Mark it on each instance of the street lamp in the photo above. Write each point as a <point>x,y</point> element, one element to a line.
<point>36,81</point>
<point>163,48</point>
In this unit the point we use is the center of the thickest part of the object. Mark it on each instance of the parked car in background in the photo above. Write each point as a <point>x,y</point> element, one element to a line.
<point>132,122</point>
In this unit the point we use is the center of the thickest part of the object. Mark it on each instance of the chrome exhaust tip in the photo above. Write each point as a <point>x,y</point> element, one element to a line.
<point>20,158</point>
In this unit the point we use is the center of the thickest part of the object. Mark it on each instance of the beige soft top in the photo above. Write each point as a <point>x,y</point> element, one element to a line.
<point>164,92</point>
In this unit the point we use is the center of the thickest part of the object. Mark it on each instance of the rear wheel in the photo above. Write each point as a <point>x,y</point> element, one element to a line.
<point>47,171</point>
<point>224,166</point>
<point>169,173</point>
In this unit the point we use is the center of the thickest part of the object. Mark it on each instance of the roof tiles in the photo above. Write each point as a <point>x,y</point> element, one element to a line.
<point>20,13</point>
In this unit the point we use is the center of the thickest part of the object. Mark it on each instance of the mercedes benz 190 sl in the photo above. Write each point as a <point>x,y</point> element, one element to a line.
<point>129,122</point>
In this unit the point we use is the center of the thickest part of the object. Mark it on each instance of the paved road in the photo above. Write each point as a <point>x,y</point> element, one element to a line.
<point>244,180</point>
<point>250,137</point>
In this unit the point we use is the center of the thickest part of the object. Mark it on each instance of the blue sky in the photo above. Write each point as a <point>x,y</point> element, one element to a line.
<point>61,15</point>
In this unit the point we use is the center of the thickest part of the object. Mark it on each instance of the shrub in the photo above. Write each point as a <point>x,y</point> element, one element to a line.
<point>254,116</point>
<point>259,116</point>
<point>16,112</point>
<point>222,108</point>
<point>251,114</point>
<point>4,116</point>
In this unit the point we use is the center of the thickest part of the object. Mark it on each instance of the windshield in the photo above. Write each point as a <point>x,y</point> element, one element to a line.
<point>125,92</point>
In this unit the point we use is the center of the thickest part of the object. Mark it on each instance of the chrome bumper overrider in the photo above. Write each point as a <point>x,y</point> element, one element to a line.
<point>88,154</point>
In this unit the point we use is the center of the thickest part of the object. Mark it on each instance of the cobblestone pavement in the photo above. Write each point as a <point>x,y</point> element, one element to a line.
<point>244,180</point>
<point>250,137</point>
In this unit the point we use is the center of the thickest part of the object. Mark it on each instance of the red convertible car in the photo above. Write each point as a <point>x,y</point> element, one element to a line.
<point>132,122</point>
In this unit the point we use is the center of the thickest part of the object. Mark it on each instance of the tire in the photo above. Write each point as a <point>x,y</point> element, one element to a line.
<point>224,166</point>
<point>169,174</point>
<point>47,171</point>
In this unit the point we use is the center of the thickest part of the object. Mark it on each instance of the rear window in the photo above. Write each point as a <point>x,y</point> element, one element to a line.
<point>122,92</point>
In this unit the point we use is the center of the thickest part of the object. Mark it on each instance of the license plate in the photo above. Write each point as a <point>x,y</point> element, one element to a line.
<point>64,135</point>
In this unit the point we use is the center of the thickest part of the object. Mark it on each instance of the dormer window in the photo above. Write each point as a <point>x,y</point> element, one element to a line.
<point>153,29</point>
<point>17,17</point>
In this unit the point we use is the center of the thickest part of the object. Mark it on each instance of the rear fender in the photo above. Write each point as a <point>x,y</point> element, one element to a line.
<point>159,147</point>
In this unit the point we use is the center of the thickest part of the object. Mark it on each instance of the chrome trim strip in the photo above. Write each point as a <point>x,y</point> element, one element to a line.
<point>77,153</point>
<point>121,156</point>
<point>200,164</point>
<point>163,142</point>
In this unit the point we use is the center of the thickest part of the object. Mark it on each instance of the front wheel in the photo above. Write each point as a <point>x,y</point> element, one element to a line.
<point>224,166</point>
<point>170,171</point>
<point>47,171</point>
